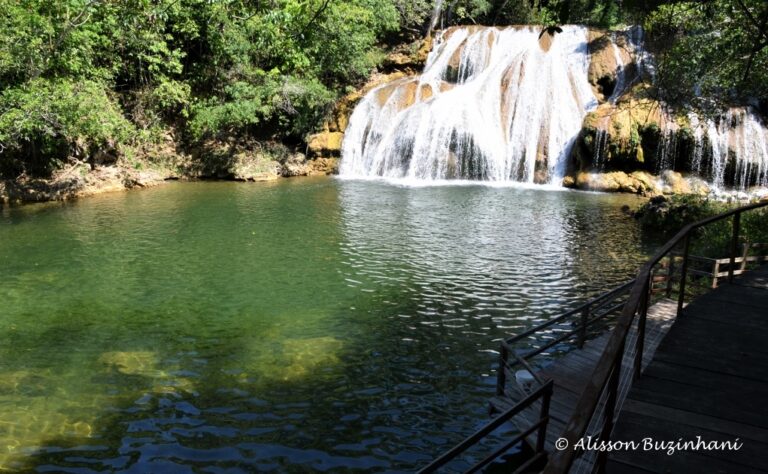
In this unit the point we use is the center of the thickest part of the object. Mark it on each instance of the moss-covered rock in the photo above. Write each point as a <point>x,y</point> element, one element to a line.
<point>620,131</point>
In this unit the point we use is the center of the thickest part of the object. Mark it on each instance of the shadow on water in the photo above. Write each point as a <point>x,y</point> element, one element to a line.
<point>377,405</point>
<point>314,325</point>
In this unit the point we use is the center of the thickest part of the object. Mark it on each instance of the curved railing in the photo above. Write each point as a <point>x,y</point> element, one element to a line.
<point>596,408</point>
<point>569,329</point>
<point>601,393</point>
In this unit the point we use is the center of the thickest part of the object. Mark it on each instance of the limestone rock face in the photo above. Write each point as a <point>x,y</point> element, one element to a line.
<point>622,136</point>
<point>603,64</point>
<point>675,183</point>
<point>295,165</point>
<point>253,167</point>
<point>637,182</point>
<point>325,143</point>
<point>78,181</point>
<point>323,166</point>
<point>400,64</point>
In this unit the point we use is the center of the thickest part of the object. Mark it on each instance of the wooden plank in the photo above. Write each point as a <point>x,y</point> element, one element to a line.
<point>719,403</point>
<point>740,364</point>
<point>698,420</point>
<point>615,466</point>
<point>709,378</point>
<point>701,377</point>
<point>718,337</point>
<point>751,456</point>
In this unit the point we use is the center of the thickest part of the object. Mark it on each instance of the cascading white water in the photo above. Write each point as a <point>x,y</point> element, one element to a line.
<point>437,12</point>
<point>621,74</point>
<point>737,145</point>
<point>698,143</point>
<point>642,58</point>
<point>492,104</point>
<point>601,133</point>
<point>667,151</point>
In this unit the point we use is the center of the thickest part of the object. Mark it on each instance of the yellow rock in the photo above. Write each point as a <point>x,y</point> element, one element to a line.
<point>298,358</point>
<point>325,142</point>
<point>132,362</point>
<point>638,182</point>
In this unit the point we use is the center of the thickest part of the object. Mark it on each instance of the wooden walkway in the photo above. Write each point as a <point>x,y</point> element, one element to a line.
<point>571,372</point>
<point>708,378</point>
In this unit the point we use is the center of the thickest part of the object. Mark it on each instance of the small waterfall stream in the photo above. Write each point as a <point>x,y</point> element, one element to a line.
<point>601,133</point>
<point>492,104</point>
<point>732,147</point>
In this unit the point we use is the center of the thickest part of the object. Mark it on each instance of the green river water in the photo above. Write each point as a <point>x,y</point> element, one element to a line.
<point>301,325</point>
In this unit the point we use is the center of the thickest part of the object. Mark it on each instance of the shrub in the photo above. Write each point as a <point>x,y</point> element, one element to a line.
<point>46,121</point>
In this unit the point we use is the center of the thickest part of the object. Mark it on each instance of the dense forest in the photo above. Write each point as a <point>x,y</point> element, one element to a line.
<point>89,81</point>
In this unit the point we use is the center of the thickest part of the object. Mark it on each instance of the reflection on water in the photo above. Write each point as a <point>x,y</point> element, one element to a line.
<point>308,324</point>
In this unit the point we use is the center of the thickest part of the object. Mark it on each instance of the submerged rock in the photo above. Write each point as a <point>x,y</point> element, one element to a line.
<point>132,362</point>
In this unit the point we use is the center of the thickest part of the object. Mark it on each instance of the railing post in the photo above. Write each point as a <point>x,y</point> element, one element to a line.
<point>670,274</point>
<point>744,256</point>
<point>610,406</point>
<point>544,418</point>
<point>683,274</point>
<point>583,327</point>
<point>501,376</point>
<point>734,244</point>
<point>640,344</point>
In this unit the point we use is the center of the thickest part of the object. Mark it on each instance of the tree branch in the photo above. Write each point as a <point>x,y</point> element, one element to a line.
<point>314,18</point>
<point>759,25</point>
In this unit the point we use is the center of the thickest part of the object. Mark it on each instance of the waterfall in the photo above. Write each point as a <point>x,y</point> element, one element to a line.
<point>736,143</point>
<point>491,104</point>
<point>698,143</point>
<point>667,151</point>
<point>642,58</point>
<point>601,140</point>
<point>621,80</point>
<point>601,134</point>
<point>437,12</point>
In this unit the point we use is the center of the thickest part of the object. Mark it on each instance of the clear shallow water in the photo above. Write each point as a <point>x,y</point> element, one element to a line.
<point>309,324</point>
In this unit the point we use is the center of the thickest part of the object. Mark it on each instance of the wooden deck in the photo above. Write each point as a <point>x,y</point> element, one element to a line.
<point>571,372</point>
<point>708,378</point>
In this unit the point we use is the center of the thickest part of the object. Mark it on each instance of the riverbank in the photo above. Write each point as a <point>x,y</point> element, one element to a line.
<point>82,180</point>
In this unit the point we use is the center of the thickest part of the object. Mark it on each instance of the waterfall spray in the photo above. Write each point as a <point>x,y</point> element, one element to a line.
<point>491,104</point>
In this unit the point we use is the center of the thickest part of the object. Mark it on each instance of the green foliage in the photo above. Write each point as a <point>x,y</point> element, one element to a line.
<point>719,50</point>
<point>666,216</point>
<point>414,15</point>
<point>275,102</point>
<point>44,121</point>
<point>674,213</point>
<point>75,75</point>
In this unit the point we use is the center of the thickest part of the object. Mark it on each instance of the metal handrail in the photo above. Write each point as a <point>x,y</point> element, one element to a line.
<point>608,369</point>
<point>544,392</point>
<point>591,303</point>
<point>585,316</point>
